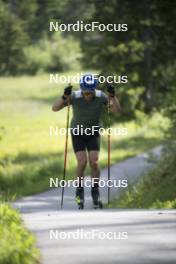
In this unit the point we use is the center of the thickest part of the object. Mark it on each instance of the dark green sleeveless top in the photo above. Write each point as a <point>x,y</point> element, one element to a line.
<point>87,113</point>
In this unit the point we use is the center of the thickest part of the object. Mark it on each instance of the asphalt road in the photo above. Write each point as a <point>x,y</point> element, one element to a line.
<point>101,236</point>
<point>108,236</point>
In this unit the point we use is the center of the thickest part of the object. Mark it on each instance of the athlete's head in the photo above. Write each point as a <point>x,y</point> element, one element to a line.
<point>88,83</point>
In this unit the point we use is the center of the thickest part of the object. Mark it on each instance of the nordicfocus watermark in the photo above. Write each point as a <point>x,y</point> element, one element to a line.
<point>81,234</point>
<point>57,78</point>
<point>88,131</point>
<point>58,183</point>
<point>89,27</point>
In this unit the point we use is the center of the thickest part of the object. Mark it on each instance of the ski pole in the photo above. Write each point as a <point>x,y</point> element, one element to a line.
<point>66,148</point>
<point>109,150</point>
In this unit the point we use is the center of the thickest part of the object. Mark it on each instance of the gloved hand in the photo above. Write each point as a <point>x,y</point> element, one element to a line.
<point>111,90</point>
<point>67,92</point>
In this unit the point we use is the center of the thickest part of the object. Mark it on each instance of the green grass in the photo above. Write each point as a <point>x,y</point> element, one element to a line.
<point>156,189</point>
<point>30,156</point>
<point>17,244</point>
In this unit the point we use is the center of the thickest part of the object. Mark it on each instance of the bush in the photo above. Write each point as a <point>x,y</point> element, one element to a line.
<point>17,244</point>
<point>51,55</point>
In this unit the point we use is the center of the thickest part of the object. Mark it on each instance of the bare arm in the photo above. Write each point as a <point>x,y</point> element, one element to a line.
<point>59,104</point>
<point>64,100</point>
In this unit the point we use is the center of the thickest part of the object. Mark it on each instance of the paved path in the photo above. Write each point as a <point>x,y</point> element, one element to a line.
<point>139,236</point>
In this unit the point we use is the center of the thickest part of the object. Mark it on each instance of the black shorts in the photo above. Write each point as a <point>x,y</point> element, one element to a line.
<point>86,142</point>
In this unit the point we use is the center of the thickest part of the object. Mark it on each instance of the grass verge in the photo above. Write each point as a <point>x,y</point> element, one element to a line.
<point>156,189</point>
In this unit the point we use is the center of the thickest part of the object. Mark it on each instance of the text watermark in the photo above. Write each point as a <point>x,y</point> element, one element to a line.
<point>88,131</point>
<point>65,79</point>
<point>56,182</point>
<point>81,234</point>
<point>88,27</point>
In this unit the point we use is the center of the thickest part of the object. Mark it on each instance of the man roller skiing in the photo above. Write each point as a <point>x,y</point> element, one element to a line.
<point>87,104</point>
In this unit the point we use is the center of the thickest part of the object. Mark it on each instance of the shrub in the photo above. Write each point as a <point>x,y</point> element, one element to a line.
<point>50,55</point>
<point>17,244</point>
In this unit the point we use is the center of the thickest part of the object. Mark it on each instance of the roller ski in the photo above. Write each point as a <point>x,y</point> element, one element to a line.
<point>80,198</point>
<point>97,203</point>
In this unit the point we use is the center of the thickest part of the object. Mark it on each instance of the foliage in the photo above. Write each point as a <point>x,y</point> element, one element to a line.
<point>145,53</point>
<point>13,39</point>
<point>25,43</point>
<point>17,244</point>
<point>52,55</point>
<point>156,189</point>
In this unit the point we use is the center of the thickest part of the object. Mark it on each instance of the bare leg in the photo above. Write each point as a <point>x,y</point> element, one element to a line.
<point>93,161</point>
<point>81,163</point>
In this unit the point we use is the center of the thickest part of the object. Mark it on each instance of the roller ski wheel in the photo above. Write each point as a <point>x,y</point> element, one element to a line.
<point>81,206</point>
<point>98,205</point>
<point>80,203</point>
<point>80,198</point>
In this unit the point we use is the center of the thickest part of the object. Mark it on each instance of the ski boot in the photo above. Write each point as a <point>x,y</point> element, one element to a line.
<point>80,197</point>
<point>97,203</point>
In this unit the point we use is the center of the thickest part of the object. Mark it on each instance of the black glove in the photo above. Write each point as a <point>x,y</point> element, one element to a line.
<point>67,92</point>
<point>111,90</point>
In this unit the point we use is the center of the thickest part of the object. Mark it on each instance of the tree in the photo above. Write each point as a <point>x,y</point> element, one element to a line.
<point>144,52</point>
<point>12,41</point>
